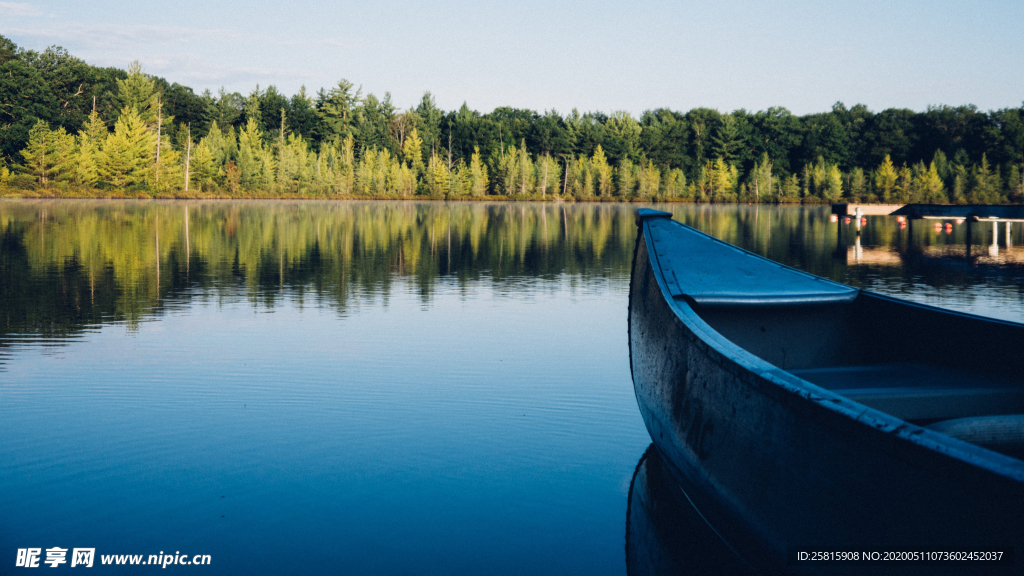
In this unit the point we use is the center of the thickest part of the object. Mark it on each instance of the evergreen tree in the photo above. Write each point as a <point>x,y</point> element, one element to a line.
<point>1015,183</point>
<point>649,181</point>
<point>250,154</point>
<point>727,140</point>
<point>549,175</point>
<point>477,174</point>
<point>833,183</point>
<point>760,178</point>
<point>336,110</point>
<point>885,179</point>
<point>138,91</point>
<point>930,185</point>
<point>858,185</point>
<point>86,166</point>
<point>627,178</point>
<point>675,184</point>
<point>124,158</point>
<point>412,151</point>
<point>222,145</point>
<point>203,166</point>
<point>602,172</point>
<point>904,184</point>
<point>791,188</point>
<point>40,154</point>
<point>982,185</point>
<point>725,178</point>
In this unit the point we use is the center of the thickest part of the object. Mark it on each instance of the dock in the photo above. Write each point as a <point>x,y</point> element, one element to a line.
<point>969,212</point>
<point>848,209</point>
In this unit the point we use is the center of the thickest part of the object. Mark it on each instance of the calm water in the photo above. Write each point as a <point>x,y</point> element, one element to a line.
<point>372,387</point>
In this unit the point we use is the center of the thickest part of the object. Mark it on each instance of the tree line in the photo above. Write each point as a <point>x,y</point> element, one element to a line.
<point>69,128</point>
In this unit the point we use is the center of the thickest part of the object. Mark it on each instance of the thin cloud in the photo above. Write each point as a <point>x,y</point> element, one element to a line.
<point>115,36</point>
<point>20,10</point>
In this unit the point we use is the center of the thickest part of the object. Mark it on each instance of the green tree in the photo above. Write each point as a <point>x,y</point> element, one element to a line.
<point>885,179</point>
<point>675,184</point>
<point>336,110</point>
<point>930,185</point>
<point>833,183</point>
<point>42,158</point>
<point>124,158</point>
<point>760,178</point>
<point>602,172</point>
<point>477,174</point>
<point>203,169</point>
<point>250,154</point>
<point>727,139</point>
<point>626,174</point>
<point>549,175</point>
<point>138,91</point>
<point>858,184</point>
<point>649,181</point>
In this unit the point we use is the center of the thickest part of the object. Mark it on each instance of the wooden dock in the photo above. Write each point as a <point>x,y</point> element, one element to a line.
<point>846,209</point>
<point>971,212</point>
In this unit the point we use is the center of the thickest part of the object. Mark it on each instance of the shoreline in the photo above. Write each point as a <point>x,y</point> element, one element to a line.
<point>54,194</point>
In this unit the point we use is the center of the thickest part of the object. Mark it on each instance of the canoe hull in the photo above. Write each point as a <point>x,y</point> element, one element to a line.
<point>771,466</point>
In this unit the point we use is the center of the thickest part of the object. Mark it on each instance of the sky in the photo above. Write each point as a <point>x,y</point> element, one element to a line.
<point>558,55</point>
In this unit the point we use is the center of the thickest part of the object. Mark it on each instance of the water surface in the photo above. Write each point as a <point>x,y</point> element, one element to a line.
<point>366,387</point>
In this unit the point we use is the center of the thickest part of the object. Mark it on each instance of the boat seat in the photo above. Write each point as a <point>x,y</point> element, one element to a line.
<point>928,404</point>
<point>921,392</point>
<point>1003,434</point>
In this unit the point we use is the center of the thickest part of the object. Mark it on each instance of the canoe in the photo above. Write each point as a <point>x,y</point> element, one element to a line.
<point>798,412</point>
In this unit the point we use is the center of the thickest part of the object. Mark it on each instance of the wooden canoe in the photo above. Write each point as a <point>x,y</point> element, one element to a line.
<point>799,412</point>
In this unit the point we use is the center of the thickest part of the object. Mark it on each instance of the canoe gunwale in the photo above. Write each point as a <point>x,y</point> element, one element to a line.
<point>803,396</point>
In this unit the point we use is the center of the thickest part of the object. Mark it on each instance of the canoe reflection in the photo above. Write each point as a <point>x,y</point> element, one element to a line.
<point>665,535</point>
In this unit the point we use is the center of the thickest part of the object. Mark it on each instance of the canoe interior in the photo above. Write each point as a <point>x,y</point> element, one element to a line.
<point>917,363</point>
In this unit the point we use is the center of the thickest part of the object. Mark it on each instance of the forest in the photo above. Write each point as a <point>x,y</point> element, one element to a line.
<point>75,130</point>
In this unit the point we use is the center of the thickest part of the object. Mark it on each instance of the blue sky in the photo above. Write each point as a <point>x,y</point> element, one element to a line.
<point>546,55</point>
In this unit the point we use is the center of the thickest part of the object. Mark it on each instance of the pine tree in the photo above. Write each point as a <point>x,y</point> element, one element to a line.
<point>412,151</point>
<point>202,167</point>
<point>791,188</point>
<point>982,189</point>
<point>477,174</point>
<point>222,145</point>
<point>50,154</point>
<point>675,184</point>
<point>833,183</point>
<point>930,185</point>
<point>525,176</point>
<point>138,91</point>
<point>726,177</point>
<point>627,177</point>
<point>1015,184</point>
<point>727,139</point>
<point>760,178</point>
<point>124,158</point>
<point>437,177</point>
<point>602,172</point>
<point>885,179</point>
<point>649,182</point>
<point>858,184</point>
<point>250,154</point>
<point>86,166</point>
<point>40,162</point>
<point>549,175</point>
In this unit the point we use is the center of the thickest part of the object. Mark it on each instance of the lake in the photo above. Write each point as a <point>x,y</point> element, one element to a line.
<point>368,387</point>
